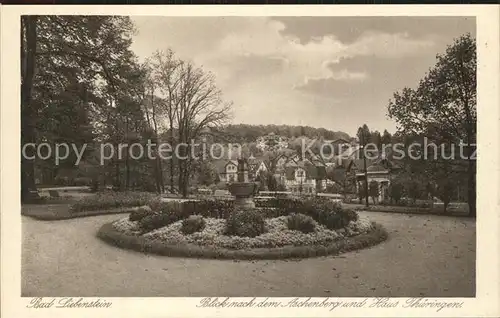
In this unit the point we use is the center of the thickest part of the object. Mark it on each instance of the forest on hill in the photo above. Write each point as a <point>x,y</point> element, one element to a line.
<point>249,133</point>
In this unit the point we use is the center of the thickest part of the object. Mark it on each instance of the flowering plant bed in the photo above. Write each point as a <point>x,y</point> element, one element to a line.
<point>55,212</point>
<point>112,200</point>
<point>212,241</point>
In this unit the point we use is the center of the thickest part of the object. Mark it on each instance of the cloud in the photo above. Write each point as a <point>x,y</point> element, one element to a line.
<point>262,37</point>
<point>350,29</point>
<point>386,45</point>
<point>277,73</point>
<point>346,76</point>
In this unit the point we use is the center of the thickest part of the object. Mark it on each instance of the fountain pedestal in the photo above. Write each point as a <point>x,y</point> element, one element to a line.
<point>243,193</point>
<point>241,190</point>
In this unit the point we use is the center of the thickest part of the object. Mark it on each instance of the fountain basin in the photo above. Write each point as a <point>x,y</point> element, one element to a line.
<point>243,193</point>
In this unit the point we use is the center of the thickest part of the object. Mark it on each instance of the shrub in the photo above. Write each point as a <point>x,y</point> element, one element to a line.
<point>284,205</point>
<point>424,204</point>
<point>322,210</point>
<point>219,209</point>
<point>221,186</point>
<point>396,191</point>
<point>301,222</point>
<point>156,221</point>
<point>162,207</point>
<point>140,213</point>
<point>403,202</point>
<point>212,187</point>
<point>351,215</point>
<point>373,190</point>
<point>166,213</point>
<point>327,212</point>
<point>82,181</point>
<point>110,200</point>
<point>269,213</point>
<point>194,223</point>
<point>95,186</point>
<point>245,223</point>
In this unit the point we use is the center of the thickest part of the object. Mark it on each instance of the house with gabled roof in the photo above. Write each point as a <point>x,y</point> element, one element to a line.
<point>304,177</point>
<point>227,169</point>
<point>380,170</point>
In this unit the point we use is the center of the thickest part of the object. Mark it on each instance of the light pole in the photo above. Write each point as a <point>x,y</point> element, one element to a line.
<point>366,174</point>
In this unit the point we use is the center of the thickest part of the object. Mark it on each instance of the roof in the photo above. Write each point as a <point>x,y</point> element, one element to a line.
<point>221,164</point>
<point>376,168</point>
<point>373,165</point>
<point>234,162</point>
<point>253,161</point>
<point>338,141</point>
<point>312,171</point>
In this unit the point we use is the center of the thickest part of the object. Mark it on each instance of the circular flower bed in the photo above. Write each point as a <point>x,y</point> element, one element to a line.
<point>277,234</point>
<point>251,234</point>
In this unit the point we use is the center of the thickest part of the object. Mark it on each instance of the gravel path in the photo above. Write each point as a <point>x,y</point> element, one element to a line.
<point>429,256</point>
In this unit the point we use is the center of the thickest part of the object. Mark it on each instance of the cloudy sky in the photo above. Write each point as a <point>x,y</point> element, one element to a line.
<point>331,72</point>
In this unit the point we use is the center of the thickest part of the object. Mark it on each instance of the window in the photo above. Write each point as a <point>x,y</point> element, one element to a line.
<point>300,173</point>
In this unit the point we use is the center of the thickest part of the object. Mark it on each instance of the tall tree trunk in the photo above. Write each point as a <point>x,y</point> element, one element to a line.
<point>471,123</point>
<point>28,113</point>
<point>183,176</point>
<point>171,122</point>
<point>158,165</point>
<point>471,168</point>
<point>471,188</point>
<point>152,161</point>
<point>127,159</point>
<point>117,176</point>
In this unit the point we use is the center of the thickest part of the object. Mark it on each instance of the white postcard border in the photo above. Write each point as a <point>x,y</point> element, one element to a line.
<point>488,219</point>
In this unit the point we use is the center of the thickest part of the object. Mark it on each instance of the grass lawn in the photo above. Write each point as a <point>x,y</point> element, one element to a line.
<point>52,212</point>
<point>453,210</point>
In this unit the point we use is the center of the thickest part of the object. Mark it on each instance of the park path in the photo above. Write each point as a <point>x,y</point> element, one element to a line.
<point>428,256</point>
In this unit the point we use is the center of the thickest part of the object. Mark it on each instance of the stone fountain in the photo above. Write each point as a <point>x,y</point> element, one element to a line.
<point>243,190</point>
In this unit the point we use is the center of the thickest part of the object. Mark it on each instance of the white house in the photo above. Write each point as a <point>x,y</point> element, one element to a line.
<point>305,178</point>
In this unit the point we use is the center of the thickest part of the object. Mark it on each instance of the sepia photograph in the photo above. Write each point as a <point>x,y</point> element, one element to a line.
<point>248,157</point>
<point>256,161</point>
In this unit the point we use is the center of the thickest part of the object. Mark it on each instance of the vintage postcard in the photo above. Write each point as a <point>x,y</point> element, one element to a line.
<point>250,161</point>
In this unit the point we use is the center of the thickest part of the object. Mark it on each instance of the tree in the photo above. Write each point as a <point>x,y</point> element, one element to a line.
<point>207,173</point>
<point>386,138</point>
<point>361,192</point>
<point>262,180</point>
<point>364,138</point>
<point>272,183</point>
<point>396,191</point>
<point>413,189</point>
<point>376,139</point>
<point>445,191</point>
<point>374,191</point>
<point>192,104</point>
<point>364,135</point>
<point>83,66</point>
<point>342,178</point>
<point>28,111</point>
<point>443,108</point>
